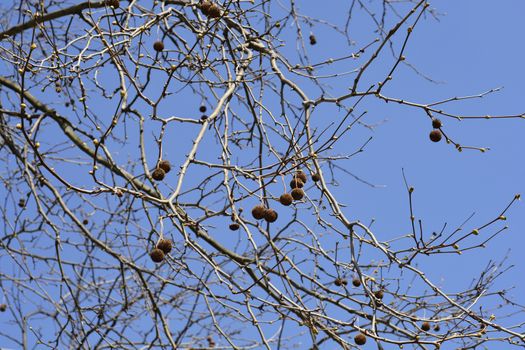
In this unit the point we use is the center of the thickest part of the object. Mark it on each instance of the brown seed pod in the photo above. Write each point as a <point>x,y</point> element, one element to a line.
<point>338,282</point>
<point>301,176</point>
<point>158,46</point>
<point>164,165</point>
<point>435,135</point>
<point>316,177</point>
<point>286,199</point>
<point>214,11</point>
<point>297,194</point>
<point>425,326</point>
<point>204,117</point>
<point>158,174</point>
<point>205,7</point>
<point>113,3</point>
<point>344,281</point>
<point>85,222</point>
<point>437,328</point>
<point>313,39</point>
<point>156,255</point>
<point>270,215</point>
<point>202,109</point>
<point>436,123</point>
<point>296,183</point>
<point>165,245</point>
<point>3,307</point>
<point>258,212</point>
<point>234,226</point>
<point>379,294</point>
<point>21,202</point>
<point>360,339</point>
<point>356,282</point>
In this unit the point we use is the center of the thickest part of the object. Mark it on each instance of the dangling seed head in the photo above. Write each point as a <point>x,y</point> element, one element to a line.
<point>270,215</point>
<point>436,123</point>
<point>234,226</point>
<point>296,183</point>
<point>158,46</point>
<point>165,165</point>
<point>435,135</point>
<point>202,109</point>
<point>360,339</point>
<point>301,176</point>
<point>425,326</point>
<point>356,282</point>
<point>156,255</point>
<point>379,294</point>
<point>113,3</point>
<point>286,199</point>
<point>297,194</point>
<point>205,7</point>
<point>258,212</point>
<point>316,177</point>
<point>165,245</point>
<point>214,11</point>
<point>158,174</point>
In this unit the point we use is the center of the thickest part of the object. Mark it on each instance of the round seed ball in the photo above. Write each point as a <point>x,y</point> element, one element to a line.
<point>437,328</point>
<point>286,199</point>
<point>436,123</point>
<point>202,109</point>
<point>435,135</point>
<point>234,226</point>
<point>301,176</point>
<point>214,11</point>
<point>313,40</point>
<point>85,222</point>
<point>258,212</point>
<point>158,46</point>
<point>158,174</point>
<point>379,294</point>
<point>297,194</point>
<point>165,245</point>
<point>156,255</point>
<point>338,282</point>
<point>270,215</point>
<point>296,183</point>
<point>360,339</point>
<point>425,326</point>
<point>316,177</point>
<point>205,7</point>
<point>356,282</point>
<point>3,307</point>
<point>165,165</point>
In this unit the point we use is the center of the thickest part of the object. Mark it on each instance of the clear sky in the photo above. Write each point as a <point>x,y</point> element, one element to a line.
<point>471,47</point>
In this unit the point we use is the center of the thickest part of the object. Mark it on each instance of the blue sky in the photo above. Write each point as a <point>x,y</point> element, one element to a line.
<point>473,47</point>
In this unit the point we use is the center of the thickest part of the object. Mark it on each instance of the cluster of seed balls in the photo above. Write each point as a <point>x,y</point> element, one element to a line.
<point>260,212</point>
<point>163,167</point>
<point>297,184</point>
<point>436,135</point>
<point>163,248</point>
